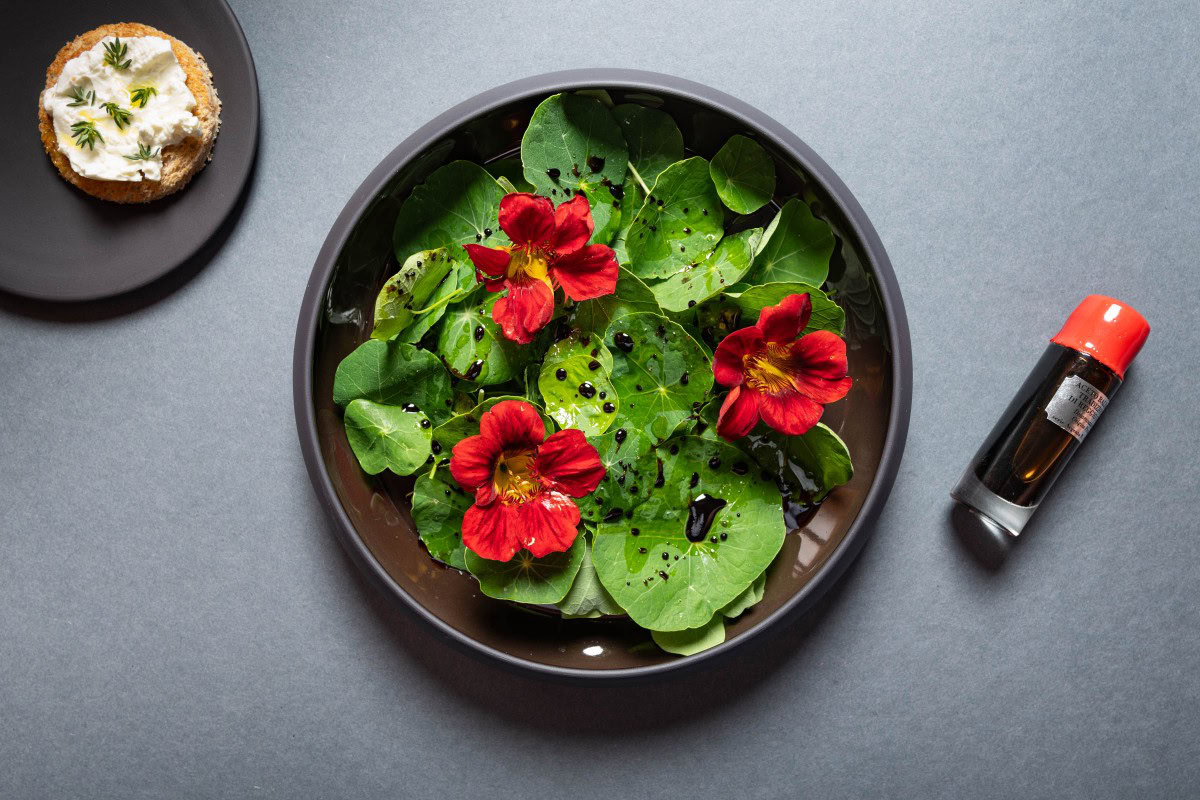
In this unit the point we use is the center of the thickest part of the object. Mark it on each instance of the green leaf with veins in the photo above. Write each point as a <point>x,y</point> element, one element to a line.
<point>456,204</point>
<point>511,169</point>
<point>680,221</point>
<point>474,347</point>
<point>752,596</point>
<point>631,203</point>
<point>525,579</point>
<point>722,267</point>
<point>744,175</point>
<point>826,314</point>
<point>693,640</point>
<point>573,143</point>
<point>587,597</point>
<point>663,579</point>
<point>574,399</point>
<point>795,247</point>
<point>631,296</point>
<point>392,374</point>
<point>412,289</point>
<point>438,506</point>
<point>580,343</point>
<point>820,460</point>
<point>660,376</point>
<point>619,454</point>
<point>654,140</point>
<point>387,437</point>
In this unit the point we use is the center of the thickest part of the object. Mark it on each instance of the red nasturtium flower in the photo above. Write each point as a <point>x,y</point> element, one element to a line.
<point>523,482</point>
<point>549,249</point>
<point>784,379</point>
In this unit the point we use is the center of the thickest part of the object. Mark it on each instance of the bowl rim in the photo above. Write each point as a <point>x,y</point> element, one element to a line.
<point>637,80</point>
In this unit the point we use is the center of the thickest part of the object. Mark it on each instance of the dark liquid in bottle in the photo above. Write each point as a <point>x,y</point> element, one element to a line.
<point>1026,451</point>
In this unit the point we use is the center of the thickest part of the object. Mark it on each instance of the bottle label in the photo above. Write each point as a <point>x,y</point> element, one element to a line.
<point>1076,406</point>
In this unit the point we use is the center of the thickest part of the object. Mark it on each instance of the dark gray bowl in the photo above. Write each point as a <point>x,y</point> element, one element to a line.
<point>371,514</point>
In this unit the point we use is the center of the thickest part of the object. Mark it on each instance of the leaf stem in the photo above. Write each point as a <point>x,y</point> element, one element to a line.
<point>638,178</point>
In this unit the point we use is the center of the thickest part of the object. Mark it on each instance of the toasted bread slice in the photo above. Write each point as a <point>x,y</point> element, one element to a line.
<point>180,162</point>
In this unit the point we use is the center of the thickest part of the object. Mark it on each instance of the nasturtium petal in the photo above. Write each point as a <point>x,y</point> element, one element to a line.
<point>795,247</point>
<point>455,204</point>
<point>632,295</point>
<point>571,391</point>
<point>692,640</point>
<point>460,426</point>
<point>654,140</point>
<point>587,597</point>
<point>438,506</point>
<point>387,437</point>
<point>394,373</point>
<point>663,579</point>
<point>474,347</point>
<point>680,221</point>
<point>573,143</point>
<point>744,174</point>
<point>659,371</point>
<point>526,579</point>
<point>699,281</point>
<point>826,314</point>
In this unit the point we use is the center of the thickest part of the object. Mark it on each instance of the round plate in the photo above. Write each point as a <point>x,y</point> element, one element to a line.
<point>62,244</point>
<point>371,514</point>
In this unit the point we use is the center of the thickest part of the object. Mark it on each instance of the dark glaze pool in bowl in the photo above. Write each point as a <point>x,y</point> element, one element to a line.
<point>371,514</point>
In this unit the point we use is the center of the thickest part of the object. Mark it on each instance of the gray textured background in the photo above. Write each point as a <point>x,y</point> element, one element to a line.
<point>176,619</point>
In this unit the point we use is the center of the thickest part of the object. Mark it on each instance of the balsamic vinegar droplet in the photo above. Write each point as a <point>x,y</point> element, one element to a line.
<point>701,513</point>
<point>587,390</point>
<point>623,341</point>
<point>740,468</point>
<point>409,407</point>
<point>593,365</point>
<point>683,379</point>
<point>553,173</point>
<point>620,435</point>
<point>609,408</point>
<point>695,480</point>
<point>425,423</point>
<point>561,374</point>
<point>435,446</point>
<point>595,163</point>
<point>614,514</point>
<point>474,370</point>
<point>479,331</point>
<point>714,462</point>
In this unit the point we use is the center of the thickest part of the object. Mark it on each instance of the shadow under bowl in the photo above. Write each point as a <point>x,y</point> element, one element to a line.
<point>371,515</point>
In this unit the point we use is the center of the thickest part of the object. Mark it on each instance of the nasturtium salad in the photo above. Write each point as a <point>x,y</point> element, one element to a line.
<point>605,364</point>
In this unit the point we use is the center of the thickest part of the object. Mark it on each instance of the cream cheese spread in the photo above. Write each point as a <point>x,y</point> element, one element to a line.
<point>117,105</point>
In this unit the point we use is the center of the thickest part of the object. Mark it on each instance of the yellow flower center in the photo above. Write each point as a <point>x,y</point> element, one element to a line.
<point>524,265</point>
<point>513,479</point>
<point>768,369</point>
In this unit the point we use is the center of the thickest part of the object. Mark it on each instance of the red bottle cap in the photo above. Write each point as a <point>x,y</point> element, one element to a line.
<point>1107,329</point>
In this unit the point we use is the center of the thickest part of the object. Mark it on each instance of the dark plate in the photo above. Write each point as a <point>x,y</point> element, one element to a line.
<point>62,244</point>
<point>371,515</point>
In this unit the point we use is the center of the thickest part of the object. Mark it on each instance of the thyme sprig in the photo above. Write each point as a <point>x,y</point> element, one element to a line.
<point>144,153</point>
<point>141,95</point>
<point>81,96</point>
<point>114,52</point>
<point>119,115</point>
<point>85,134</point>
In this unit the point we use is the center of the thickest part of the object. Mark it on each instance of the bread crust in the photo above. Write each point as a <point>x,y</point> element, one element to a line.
<point>181,161</point>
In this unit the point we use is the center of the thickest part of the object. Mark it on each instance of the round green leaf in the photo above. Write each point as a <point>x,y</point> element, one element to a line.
<point>387,437</point>
<point>425,281</point>
<point>565,398</point>
<point>722,267</point>
<point>620,450</point>
<point>795,247</point>
<point>680,221</point>
<point>820,460</point>
<point>525,579</point>
<point>665,581</point>
<point>474,347</point>
<point>826,314</point>
<point>654,140</point>
<point>752,596</point>
<point>631,295</point>
<point>457,203</point>
<point>744,175</point>
<point>394,373</point>
<point>573,143</point>
<point>438,506</point>
<point>660,376</point>
<point>693,640</point>
<point>588,598</point>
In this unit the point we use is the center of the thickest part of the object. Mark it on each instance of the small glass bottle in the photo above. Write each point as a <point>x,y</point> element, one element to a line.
<point>1051,414</point>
